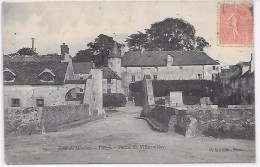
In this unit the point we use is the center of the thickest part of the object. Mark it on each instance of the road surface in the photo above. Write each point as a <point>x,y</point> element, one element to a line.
<point>121,138</point>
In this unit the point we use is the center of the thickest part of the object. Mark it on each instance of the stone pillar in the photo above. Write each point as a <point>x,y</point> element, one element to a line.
<point>176,99</point>
<point>98,90</point>
<point>88,94</point>
<point>148,96</point>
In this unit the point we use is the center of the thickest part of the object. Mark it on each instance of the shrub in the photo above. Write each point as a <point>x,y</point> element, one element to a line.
<point>114,100</point>
<point>200,88</point>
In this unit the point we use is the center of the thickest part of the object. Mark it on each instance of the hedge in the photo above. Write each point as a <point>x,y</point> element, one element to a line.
<point>114,100</point>
<point>200,88</point>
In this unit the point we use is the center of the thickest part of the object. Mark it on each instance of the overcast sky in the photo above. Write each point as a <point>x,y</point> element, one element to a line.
<point>78,23</point>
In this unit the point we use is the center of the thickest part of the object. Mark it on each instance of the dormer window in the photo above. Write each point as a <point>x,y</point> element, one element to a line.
<point>46,76</point>
<point>9,76</point>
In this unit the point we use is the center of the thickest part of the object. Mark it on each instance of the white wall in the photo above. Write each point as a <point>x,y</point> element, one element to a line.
<point>52,94</point>
<point>168,73</point>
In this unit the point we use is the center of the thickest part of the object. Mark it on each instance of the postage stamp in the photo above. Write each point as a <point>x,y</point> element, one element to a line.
<point>235,24</point>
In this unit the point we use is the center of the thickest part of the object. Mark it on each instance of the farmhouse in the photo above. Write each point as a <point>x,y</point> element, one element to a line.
<point>167,65</point>
<point>28,84</point>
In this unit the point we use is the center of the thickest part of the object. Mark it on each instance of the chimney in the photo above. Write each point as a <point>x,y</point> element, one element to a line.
<point>64,50</point>
<point>32,45</point>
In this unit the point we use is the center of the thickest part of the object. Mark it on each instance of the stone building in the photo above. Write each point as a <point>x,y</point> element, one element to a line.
<point>28,84</point>
<point>111,81</point>
<point>167,65</point>
<point>242,82</point>
<point>40,82</point>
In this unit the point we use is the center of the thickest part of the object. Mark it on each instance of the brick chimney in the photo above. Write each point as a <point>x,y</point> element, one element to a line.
<point>64,49</point>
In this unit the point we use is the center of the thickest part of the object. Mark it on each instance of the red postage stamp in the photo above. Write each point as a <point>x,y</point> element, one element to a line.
<point>235,24</point>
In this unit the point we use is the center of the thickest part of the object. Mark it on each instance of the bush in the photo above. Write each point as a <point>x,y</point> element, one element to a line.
<point>191,100</point>
<point>199,88</point>
<point>114,100</point>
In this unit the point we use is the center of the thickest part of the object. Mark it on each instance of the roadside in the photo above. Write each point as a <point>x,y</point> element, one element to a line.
<point>121,138</point>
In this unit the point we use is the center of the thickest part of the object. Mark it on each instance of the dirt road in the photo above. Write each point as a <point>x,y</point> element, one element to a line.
<point>121,138</point>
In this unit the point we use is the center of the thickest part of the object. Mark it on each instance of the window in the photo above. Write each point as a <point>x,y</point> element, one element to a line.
<point>9,76</point>
<point>108,90</point>
<point>81,90</point>
<point>155,77</point>
<point>133,78</point>
<point>15,102</point>
<point>147,76</point>
<point>109,81</point>
<point>46,76</point>
<point>214,67</point>
<point>199,76</point>
<point>39,102</point>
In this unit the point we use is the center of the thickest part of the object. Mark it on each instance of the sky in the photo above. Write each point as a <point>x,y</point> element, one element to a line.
<point>78,23</point>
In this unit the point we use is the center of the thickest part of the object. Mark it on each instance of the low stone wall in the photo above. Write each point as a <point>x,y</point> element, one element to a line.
<point>217,122</point>
<point>53,116</point>
<point>37,119</point>
<point>22,120</point>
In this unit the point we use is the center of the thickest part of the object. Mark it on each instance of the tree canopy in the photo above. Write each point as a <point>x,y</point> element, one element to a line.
<point>83,56</point>
<point>166,35</point>
<point>98,50</point>
<point>26,51</point>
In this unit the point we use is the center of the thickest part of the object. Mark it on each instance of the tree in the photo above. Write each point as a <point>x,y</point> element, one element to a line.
<point>83,56</point>
<point>137,41</point>
<point>201,43</point>
<point>169,34</point>
<point>26,51</point>
<point>100,49</point>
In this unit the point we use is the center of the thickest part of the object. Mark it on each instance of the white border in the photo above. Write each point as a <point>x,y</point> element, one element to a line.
<point>257,92</point>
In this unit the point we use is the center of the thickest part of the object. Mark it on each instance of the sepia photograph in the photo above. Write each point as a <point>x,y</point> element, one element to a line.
<point>128,82</point>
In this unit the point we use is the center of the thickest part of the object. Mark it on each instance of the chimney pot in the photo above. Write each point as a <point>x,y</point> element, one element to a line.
<point>64,49</point>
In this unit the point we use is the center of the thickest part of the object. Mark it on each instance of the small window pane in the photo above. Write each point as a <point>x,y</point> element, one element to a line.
<point>39,102</point>
<point>15,102</point>
<point>108,91</point>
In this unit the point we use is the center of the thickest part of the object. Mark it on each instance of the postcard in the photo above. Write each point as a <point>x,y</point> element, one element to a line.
<point>129,82</point>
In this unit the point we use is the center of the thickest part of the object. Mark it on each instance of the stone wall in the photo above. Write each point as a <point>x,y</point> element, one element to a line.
<point>53,116</point>
<point>22,120</point>
<point>217,122</point>
<point>37,119</point>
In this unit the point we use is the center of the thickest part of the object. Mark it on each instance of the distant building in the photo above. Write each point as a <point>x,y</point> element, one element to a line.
<point>225,74</point>
<point>111,81</point>
<point>242,82</point>
<point>167,65</point>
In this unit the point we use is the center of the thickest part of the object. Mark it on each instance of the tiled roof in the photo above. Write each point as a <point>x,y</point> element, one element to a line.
<point>159,58</point>
<point>237,72</point>
<point>82,67</point>
<point>109,74</point>
<point>27,72</point>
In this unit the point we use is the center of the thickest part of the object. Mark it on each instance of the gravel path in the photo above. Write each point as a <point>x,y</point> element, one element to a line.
<point>121,138</point>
